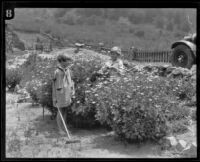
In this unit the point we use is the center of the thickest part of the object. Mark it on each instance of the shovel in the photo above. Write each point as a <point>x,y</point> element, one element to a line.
<point>69,140</point>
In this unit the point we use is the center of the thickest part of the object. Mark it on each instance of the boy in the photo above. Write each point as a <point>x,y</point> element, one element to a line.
<point>63,89</point>
<point>115,62</point>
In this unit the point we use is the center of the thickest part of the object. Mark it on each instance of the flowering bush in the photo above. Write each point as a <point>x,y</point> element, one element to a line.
<point>37,77</point>
<point>81,114</point>
<point>137,107</point>
<point>181,89</point>
<point>13,77</point>
<point>32,89</point>
<point>83,111</point>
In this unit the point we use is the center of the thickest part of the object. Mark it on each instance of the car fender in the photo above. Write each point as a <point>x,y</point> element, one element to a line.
<point>190,45</point>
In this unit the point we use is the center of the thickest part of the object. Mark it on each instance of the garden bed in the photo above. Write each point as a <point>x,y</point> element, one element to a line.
<point>141,106</point>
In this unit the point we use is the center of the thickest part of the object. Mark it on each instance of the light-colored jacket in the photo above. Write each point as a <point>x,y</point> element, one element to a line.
<point>118,65</point>
<point>62,87</point>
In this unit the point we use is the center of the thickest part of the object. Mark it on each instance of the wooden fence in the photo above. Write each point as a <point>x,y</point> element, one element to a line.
<point>141,56</point>
<point>148,56</point>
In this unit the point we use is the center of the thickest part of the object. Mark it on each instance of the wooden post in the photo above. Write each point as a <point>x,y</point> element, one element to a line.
<point>43,112</point>
<point>167,56</point>
<point>159,57</point>
<point>153,57</point>
<point>164,56</point>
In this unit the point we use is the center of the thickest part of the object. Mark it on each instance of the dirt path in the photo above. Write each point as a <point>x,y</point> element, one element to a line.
<point>38,137</point>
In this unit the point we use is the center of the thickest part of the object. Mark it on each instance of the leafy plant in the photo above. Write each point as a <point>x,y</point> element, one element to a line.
<point>13,77</point>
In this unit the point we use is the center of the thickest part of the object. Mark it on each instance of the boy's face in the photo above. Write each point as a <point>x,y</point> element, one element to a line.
<point>65,64</point>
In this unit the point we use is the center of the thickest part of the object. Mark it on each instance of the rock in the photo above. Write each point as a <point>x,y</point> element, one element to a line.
<point>191,150</point>
<point>193,69</point>
<point>148,68</point>
<point>178,72</point>
<point>170,69</point>
<point>170,141</point>
<point>181,145</point>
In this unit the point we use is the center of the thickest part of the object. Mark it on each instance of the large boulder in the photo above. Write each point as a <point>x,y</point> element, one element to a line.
<point>181,145</point>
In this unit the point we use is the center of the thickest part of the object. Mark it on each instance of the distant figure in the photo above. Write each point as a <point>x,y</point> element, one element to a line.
<point>63,89</point>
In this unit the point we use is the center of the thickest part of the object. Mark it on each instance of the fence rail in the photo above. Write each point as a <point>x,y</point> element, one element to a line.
<point>152,56</point>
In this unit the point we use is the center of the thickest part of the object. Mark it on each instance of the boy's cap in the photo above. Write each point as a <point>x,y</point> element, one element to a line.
<point>116,50</point>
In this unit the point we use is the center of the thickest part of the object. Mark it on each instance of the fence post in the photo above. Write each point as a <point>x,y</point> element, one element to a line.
<point>159,57</point>
<point>168,56</point>
<point>164,56</point>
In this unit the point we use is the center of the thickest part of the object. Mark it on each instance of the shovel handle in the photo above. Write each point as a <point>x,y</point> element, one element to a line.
<point>63,122</point>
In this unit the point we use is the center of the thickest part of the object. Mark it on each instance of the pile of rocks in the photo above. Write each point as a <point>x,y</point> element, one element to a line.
<point>166,71</point>
<point>187,149</point>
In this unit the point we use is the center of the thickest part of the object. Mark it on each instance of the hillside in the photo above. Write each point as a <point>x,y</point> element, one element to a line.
<point>151,29</point>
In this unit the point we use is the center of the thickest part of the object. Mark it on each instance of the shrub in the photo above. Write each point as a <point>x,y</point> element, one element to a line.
<point>83,111</point>
<point>41,80</point>
<point>81,114</point>
<point>34,89</point>
<point>13,77</point>
<point>30,62</point>
<point>137,107</point>
<point>182,89</point>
